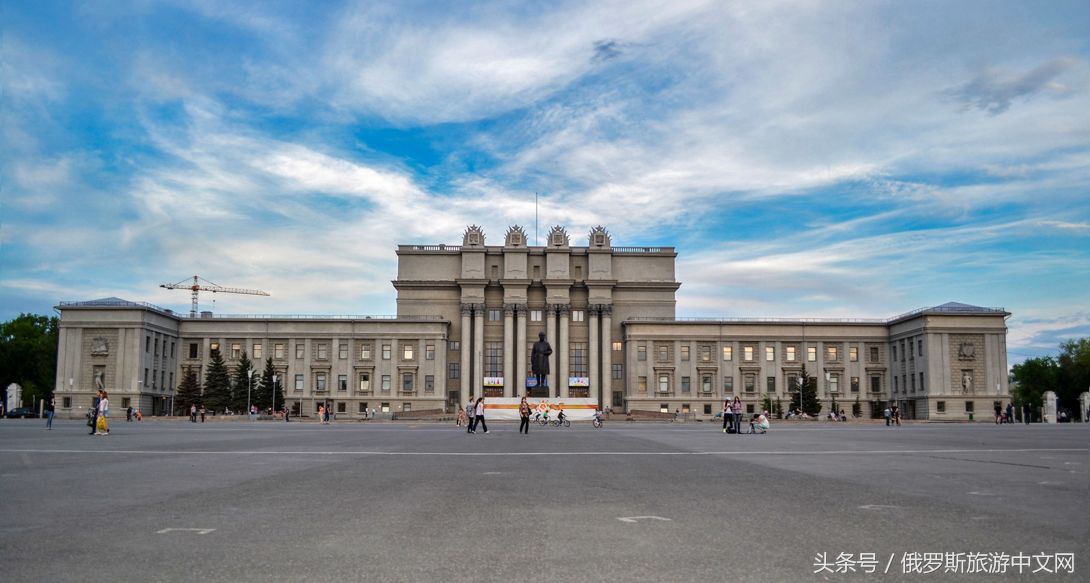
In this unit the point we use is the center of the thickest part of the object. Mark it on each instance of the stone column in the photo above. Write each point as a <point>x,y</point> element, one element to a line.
<point>550,337</point>
<point>478,347</point>
<point>466,352</point>
<point>508,352</point>
<point>606,394</point>
<point>564,313</point>
<point>594,362</point>
<point>520,350</point>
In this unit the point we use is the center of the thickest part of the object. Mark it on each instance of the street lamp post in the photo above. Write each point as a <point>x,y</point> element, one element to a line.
<point>272,389</point>
<point>249,383</point>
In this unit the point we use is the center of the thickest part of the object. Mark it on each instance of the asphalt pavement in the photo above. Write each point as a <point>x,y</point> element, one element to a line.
<point>266,501</point>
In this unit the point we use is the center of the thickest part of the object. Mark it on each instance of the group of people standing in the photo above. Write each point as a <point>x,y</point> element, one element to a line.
<point>892,416</point>
<point>732,418</point>
<point>474,413</point>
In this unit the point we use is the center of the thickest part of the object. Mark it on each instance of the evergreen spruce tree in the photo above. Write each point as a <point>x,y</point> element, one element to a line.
<point>810,404</point>
<point>189,393</point>
<point>217,384</point>
<point>266,388</point>
<point>242,384</point>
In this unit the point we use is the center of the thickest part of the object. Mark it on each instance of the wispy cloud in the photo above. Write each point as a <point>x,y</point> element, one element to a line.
<point>994,91</point>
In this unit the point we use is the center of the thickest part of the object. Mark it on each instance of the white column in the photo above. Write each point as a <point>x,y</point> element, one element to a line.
<point>606,394</point>
<point>594,362</point>
<point>550,337</point>
<point>520,350</point>
<point>478,348</point>
<point>467,351</point>
<point>564,313</point>
<point>508,353</point>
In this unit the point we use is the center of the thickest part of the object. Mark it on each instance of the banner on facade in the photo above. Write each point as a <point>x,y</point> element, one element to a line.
<point>508,409</point>
<point>493,381</point>
<point>578,381</point>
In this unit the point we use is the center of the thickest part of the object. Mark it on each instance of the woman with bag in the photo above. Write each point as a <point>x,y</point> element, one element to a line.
<point>103,427</point>
<point>524,416</point>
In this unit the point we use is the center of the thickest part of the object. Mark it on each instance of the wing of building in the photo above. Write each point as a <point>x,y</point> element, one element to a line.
<point>468,315</point>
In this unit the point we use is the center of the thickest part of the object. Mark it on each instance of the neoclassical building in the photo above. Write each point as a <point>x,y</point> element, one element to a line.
<point>468,315</point>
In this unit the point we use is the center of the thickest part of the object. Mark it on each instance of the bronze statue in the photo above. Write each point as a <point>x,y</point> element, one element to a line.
<point>539,359</point>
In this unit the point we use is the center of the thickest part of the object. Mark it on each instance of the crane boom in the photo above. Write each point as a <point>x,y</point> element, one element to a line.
<point>196,286</point>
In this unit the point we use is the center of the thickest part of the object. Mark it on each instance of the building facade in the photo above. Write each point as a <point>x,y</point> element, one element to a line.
<point>468,315</point>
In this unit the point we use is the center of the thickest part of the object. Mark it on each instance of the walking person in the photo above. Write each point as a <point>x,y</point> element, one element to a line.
<point>736,408</point>
<point>49,410</point>
<point>93,413</point>
<point>480,415</point>
<point>193,413</point>
<point>524,417</point>
<point>321,414</point>
<point>1025,412</point>
<point>102,426</point>
<point>1010,412</point>
<point>888,414</point>
<point>728,415</point>
<point>998,413</point>
<point>202,413</point>
<point>471,414</point>
<point>896,416</point>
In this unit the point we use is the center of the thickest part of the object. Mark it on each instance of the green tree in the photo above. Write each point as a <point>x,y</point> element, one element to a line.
<point>189,393</point>
<point>242,383</point>
<point>28,355</point>
<point>217,384</point>
<point>1034,377</point>
<point>808,393</point>
<point>1074,361</point>
<point>265,387</point>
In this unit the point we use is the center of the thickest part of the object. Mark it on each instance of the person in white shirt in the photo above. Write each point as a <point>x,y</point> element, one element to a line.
<point>759,424</point>
<point>103,412</point>
<point>480,415</point>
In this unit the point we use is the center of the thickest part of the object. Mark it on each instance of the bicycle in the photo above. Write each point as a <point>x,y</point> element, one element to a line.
<point>597,423</point>
<point>539,419</point>
<point>558,423</point>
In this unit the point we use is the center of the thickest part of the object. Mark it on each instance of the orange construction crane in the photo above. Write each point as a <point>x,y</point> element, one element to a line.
<point>195,285</point>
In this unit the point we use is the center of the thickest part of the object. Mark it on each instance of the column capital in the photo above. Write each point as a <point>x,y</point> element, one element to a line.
<point>466,309</point>
<point>605,309</point>
<point>510,309</point>
<point>560,309</point>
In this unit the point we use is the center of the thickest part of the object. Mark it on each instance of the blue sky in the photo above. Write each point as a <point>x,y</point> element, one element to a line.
<point>809,159</point>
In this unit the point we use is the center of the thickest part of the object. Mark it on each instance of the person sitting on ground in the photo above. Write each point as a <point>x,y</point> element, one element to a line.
<point>759,424</point>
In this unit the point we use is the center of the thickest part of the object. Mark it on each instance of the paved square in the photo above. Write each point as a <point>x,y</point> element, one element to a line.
<point>239,501</point>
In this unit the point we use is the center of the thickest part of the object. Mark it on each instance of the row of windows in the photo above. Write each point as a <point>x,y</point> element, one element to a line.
<point>907,383</point>
<point>408,382</point>
<point>749,352</point>
<point>750,384</point>
<point>911,352</point>
<point>321,351</point>
<point>148,344</point>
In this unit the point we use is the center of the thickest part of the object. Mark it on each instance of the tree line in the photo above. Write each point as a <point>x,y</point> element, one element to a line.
<point>1067,374</point>
<point>230,389</point>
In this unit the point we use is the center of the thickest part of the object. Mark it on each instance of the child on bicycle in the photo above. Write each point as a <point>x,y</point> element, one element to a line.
<point>560,416</point>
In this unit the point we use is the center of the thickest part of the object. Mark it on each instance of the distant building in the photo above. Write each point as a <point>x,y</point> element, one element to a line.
<point>467,316</point>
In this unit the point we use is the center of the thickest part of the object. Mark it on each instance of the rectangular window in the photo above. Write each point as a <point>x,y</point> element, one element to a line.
<point>578,357</point>
<point>770,384</point>
<point>365,351</point>
<point>751,383</point>
<point>919,347</point>
<point>257,351</point>
<point>706,383</point>
<point>493,359</point>
<point>145,377</point>
<point>323,351</point>
<point>300,350</point>
<point>749,409</point>
<point>747,353</point>
<point>641,384</point>
<point>834,383</point>
<point>911,351</point>
<point>171,385</point>
<point>278,351</point>
<point>365,382</point>
<point>770,354</point>
<point>535,315</point>
<point>855,384</point>
<point>876,384</point>
<point>429,383</point>
<point>342,382</point>
<point>618,372</point>
<point>617,346</point>
<point>407,382</point>
<point>895,383</point>
<point>386,352</point>
<point>685,384</point>
<point>728,353</point>
<point>664,383</point>
<point>298,382</point>
<point>705,353</point>
<point>811,353</point>
<point>384,408</point>
<point>728,385</point>
<point>193,350</point>
<point>893,351</point>
<point>363,408</point>
<point>853,354</point>
<point>664,408</point>
<point>66,402</point>
<point>832,353</point>
<point>792,383</point>
<point>790,353</point>
<point>968,406</point>
<point>157,346</point>
<point>236,350</point>
<point>172,349</point>
<point>386,383</point>
<point>874,354</point>
<point>495,315</point>
<point>454,345</point>
<point>147,344</point>
<point>578,315</point>
<point>664,354</point>
<point>342,351</point>
<point>341,407</point>
<point>940,406</point>
<point>429,352</point>
<point>407,352</point>
<point>912,383</point>
<point>685,353</point>
<point>921,382</point>
<point>319,381</point>
<point>641,352</point>
<point>453,370</point>
<point>707,409</point>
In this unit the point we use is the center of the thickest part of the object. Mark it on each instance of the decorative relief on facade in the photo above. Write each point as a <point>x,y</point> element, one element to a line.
<point>516,237</point>
<point>473,237</point>
<point>558,237</point>
<point>967,351</point>
<point>100,346</point>
<point>967,362</point>
<point>599,237</point>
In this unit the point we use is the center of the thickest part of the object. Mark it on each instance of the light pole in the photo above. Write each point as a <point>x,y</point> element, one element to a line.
<point>272,389</point>
<point>249,383</point>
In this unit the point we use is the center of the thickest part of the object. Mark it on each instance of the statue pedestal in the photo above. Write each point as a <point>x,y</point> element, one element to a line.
<point>1084,404</point>
<point>1049,412</point>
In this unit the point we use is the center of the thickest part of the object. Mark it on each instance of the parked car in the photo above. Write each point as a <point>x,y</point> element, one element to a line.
<point>22,413</point>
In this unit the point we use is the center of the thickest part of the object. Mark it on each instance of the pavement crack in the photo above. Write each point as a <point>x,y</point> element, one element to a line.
<point>956,459</point>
